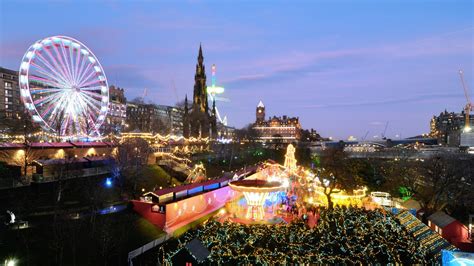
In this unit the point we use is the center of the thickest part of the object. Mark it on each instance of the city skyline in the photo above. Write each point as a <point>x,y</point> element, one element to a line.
<point>340,77</point>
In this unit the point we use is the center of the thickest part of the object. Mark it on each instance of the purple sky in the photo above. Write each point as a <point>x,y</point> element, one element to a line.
<point>343,68</point>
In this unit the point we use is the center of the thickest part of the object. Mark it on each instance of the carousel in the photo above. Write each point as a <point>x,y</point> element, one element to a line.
<point>256,192</point>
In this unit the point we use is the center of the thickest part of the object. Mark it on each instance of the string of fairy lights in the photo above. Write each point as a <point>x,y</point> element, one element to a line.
<point>45,136</point>
<point>429,240</point>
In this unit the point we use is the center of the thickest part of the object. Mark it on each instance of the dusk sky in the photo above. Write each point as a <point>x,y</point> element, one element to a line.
<point>343,67</point>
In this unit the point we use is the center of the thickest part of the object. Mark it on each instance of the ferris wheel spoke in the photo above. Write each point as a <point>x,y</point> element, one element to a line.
<point>84,73</point>
<point>43,91</point>
<point>52,75</point>
<point>91,106</point>
<point>34,89</point>
<point>55,65</point>
<point>46,77</point>
<point>70,52</point>
<point>62,63</point>
<point>47,109</point>
<point>88,107</point>
<point>81,70</point>
<point>60,107</point>
<point>54,98</point>
<point>95,88</point>
<point>76,68</point>
<point>58,65</point>
<point>53,70</point>
<point>58,75</point>
<point>46,99</point>
<point>66,60</point>
<point>48,82</point>
<point>85,81</point>
<point>91,95</point>
<point>96,95</point>
<point>91,102</point>
<point>92,82</point>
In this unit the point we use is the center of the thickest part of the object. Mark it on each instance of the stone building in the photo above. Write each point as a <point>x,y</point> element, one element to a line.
<point>276,129</point>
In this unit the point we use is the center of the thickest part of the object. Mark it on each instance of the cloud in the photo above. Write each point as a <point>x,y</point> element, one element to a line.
<point>294,64</point>
<point>413,99</point>
<point>376,123</point>
<point>130,77</point>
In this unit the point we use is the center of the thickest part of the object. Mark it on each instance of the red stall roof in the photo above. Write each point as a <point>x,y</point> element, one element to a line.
<point>50,145</point>
<point>94,144</point>
<point>56,145</point>
<point>441,219</point>
<point>160,192</point>
<point>12,146</point>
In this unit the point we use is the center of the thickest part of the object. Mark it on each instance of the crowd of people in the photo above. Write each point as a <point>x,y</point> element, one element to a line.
<point>343,235</point>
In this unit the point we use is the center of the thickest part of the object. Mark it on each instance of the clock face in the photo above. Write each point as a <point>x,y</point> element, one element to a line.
<point>260,110</point>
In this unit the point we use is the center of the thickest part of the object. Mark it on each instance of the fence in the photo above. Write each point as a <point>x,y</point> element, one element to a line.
<point>139,251</point>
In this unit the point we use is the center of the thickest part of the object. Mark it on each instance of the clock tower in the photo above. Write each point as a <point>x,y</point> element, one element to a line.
<point>260,113</point>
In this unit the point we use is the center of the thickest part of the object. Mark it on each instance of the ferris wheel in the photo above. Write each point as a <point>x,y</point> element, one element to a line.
<point>64,87</point>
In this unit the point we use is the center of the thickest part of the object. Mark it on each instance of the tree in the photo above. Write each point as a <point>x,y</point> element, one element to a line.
<point>435,182</point>
<point>247,133</point>
<point>442,180</point>
<point>130,157</point>
<point>158,125</point>
<point>277,141</point>
<point>336,171</point>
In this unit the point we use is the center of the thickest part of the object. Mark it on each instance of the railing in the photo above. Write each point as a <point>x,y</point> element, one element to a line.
<point>139,251</point>
<point>68,174</point>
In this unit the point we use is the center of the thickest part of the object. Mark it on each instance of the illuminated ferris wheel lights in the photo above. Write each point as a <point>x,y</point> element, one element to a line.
<point>64,87</point>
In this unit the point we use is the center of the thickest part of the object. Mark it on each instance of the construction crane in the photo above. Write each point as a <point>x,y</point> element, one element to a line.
<point>469,105</point>
<point>365,136</point>
<point>145,92</point>
<point>385,130</point>
<point>175,91</point>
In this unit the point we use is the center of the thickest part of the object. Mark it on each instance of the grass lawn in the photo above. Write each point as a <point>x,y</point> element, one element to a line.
<point>153,176</point>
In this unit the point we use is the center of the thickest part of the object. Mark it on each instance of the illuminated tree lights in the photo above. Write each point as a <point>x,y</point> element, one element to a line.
<point>64,87</point>
<point>335,240</point>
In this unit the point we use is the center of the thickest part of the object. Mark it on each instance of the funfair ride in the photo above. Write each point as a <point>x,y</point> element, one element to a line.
<point>469,106</point>
<point>213,91</point>
<point>255,192</point>
<point>64,88</point>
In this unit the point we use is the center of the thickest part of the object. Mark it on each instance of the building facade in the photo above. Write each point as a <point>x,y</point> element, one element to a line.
<point>448,126</point>
<point>154,118</point>
<point>117,115</point>
<point>172,117</point>
<point>276,129</point>
<point>143,117</point>
<point>11,106</point>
